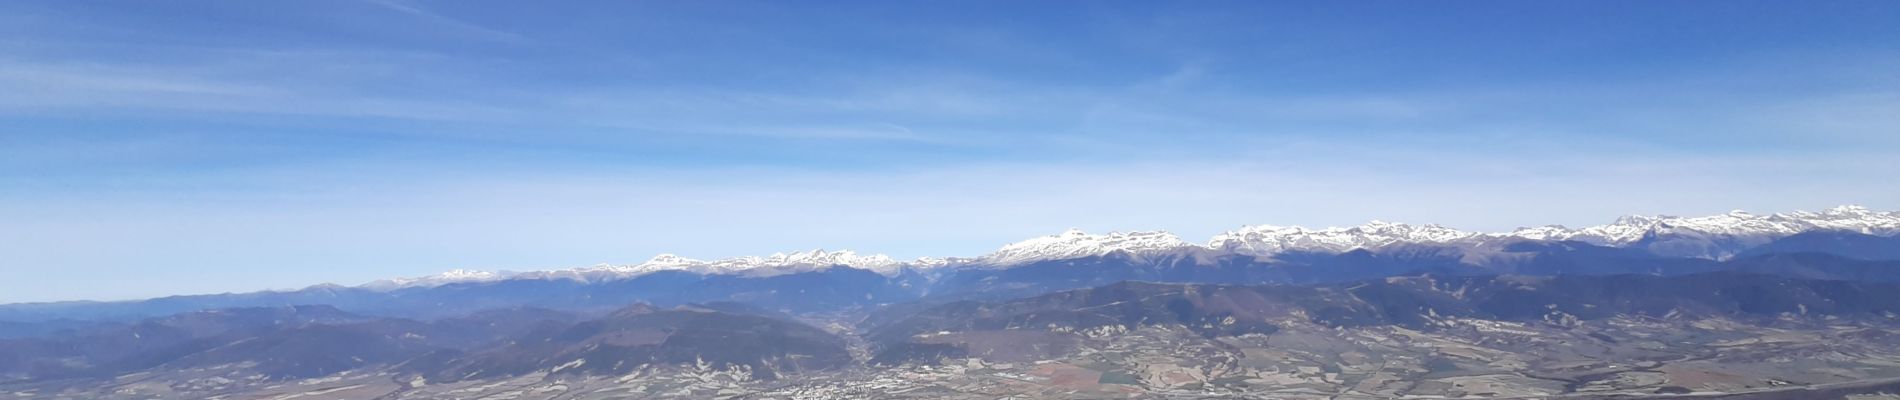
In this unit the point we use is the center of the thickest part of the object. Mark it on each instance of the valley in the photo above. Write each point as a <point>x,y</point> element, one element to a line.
<point>1764,307</point>
<point>1418,337</point>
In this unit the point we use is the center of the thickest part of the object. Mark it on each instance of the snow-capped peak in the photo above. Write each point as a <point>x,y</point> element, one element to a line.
<point>1846,210</point>
<point>1270,239</point>
<point>777,263</point>
<point>1732,229</point>
<point>809,260</point>
<point>1737,223</point>
<point>452,276</point>
<point>1074,243</point>
<point>1546,232</point>
<point>669,259</point>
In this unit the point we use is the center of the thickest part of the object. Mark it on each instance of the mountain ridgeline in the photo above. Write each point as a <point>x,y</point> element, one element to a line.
<point>1816,255</point>
<point>1136,310</point>
<point>747,343</point>
<point>759,319</point>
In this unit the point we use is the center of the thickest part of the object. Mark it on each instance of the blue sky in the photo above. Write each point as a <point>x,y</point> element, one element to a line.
<point>154,148</point>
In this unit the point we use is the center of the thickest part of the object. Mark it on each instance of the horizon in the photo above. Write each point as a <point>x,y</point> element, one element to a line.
<point>507,273</point>
<point>213,147</point>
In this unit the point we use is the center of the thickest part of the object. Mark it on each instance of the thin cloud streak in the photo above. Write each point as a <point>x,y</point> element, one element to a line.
<point>454,24</point>
<point>341,142</point>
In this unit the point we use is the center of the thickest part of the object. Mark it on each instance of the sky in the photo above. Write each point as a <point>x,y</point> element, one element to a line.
<point>159,148</point>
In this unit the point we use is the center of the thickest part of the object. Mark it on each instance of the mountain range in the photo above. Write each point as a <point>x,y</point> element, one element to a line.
<point>1843,242</point>
<point>1735,303</point>
<point>1715,237</point>
<point>1098,342</point>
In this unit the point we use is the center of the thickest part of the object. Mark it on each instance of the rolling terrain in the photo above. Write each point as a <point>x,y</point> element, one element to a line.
<point>1790,305</point>
<point>1419,335</point>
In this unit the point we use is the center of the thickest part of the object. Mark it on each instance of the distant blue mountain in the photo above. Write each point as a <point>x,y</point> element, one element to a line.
<point>1815,255</point>
<point>1839,243</point>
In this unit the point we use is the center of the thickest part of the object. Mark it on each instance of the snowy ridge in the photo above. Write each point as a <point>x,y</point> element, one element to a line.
<point>1257,240</point>
<point>775,264</point>
<point>1738,223</point>
<point>1262,240</point>
<point>1074,243</point>
<point>453,276</point>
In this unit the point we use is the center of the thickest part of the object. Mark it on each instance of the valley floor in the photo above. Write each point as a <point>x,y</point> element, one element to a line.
<point>1613,358</point>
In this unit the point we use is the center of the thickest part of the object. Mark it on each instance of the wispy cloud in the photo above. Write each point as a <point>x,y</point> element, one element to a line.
<point>455,25</point>
<point>405,137</point>
<point>397,219</point>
